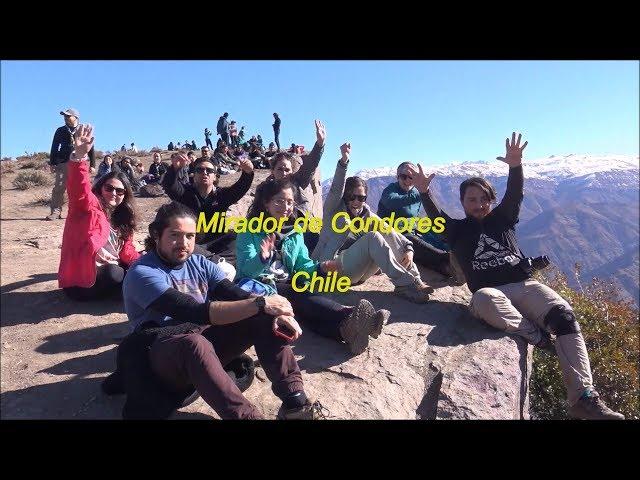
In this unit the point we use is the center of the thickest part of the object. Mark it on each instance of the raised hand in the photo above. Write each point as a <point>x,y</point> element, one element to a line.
<point>245,165</point>
<point>321,133</point>
<point>420,180</point>
<point>179,160</point>
<point>267,245</point>
<point>345,150</point>
<point>83,140</point>
<point>513,157</point>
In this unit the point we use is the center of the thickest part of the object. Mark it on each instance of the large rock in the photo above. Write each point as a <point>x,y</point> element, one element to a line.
<point>432,361</point>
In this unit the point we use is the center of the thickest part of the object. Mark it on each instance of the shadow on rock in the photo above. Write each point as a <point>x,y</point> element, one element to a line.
<point>103,362</point>
<point>35,307</point>
<point>78,398</point>
<point>85,339</point>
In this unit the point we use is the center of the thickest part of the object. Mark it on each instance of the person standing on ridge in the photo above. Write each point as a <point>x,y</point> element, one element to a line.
<point>61,148</point>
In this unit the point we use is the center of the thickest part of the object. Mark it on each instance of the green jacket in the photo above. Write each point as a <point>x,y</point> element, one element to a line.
<point>249,264</point>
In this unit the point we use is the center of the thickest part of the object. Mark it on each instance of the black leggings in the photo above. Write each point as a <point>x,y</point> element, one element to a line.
<point>427,255</point>
<point>321,314</point>
<point>108,284</point>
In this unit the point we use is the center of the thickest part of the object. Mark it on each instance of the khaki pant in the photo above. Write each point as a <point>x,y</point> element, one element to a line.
<point>59,187</point>
<point>520,308</point>
<point>372,252</point>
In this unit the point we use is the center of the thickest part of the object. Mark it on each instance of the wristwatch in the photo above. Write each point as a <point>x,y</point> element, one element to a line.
<point>261,303</point>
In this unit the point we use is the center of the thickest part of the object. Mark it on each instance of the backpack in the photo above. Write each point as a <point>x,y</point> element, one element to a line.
<point>151,190</point>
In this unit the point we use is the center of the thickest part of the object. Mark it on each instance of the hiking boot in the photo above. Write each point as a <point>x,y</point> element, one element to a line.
<point>380,319</point>
<point>310,411</point>
<point>546,344</point>
<point>356,327</point>
<point>590,407</point>
<point>417,292</point>
<point>55,215</point>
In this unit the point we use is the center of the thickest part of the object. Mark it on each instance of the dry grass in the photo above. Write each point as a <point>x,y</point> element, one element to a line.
<point>7,167</point>
<point>27,180</point>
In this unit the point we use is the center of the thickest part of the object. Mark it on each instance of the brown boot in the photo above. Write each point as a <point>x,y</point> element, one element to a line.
<point>590,407</point>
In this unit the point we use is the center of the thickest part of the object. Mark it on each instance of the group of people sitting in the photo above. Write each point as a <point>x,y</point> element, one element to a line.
<point>196,301</point>
<point>187,145</point>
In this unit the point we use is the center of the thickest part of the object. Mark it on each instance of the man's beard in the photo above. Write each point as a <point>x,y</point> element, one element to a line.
<point>171,263</point>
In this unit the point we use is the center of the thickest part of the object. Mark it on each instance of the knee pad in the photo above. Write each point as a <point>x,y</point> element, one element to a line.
<point>561,321</point>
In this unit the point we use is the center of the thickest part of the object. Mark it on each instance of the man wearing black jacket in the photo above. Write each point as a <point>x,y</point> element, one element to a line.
<point>204,196</point>
<point>504,294</point>
<point>61,148</point>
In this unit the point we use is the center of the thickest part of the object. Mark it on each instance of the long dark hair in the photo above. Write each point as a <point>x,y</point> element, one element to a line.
<point>351,184</point>
<point>163,217</point>
<point>264,193</point>
<point>123,218</point>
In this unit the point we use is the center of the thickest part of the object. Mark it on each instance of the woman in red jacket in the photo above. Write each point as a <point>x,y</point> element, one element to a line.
<point>97,242</point>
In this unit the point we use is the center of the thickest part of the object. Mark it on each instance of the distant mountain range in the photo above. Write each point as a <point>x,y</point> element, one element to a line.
<point>577,209</point>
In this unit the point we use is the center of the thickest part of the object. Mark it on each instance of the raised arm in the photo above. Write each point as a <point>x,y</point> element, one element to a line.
<point>510,205</point>
<point>170,181</point>
<point>422,183</point>
<point>310,162</point>
<point>337,184</point>
<point>81,198</point>
<point>230,195</point>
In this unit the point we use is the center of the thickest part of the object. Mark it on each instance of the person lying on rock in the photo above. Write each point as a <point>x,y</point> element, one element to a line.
<point>97,242</point>
<point>273,259</point>
<point>504,293</point>
<point>171,285</point>
<point>403,199</point>
<point>299,170</point>
<point>359,256</point>
<point>204,196</point>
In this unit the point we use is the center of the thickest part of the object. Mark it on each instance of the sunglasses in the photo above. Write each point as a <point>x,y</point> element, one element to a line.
<point>360,198</point>
<point>203,170</point>
<point>110,188</point>
<point>404,176</point>
<point>281,203</point>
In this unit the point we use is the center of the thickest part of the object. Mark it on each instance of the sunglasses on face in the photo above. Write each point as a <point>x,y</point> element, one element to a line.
<point>281,203</point>
<point>203,170</point>
<point>110,188</point>
<point>404,176</point>
<point>360,198</point>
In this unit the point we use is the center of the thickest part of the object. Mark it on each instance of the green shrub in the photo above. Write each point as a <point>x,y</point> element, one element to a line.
<point>611,332</point>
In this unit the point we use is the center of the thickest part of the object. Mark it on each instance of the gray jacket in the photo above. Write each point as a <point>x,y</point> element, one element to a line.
<point>331,241</point>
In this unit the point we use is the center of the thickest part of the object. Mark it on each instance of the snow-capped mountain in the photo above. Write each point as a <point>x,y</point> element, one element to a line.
<point>554,167</point>
<point>577,208</point>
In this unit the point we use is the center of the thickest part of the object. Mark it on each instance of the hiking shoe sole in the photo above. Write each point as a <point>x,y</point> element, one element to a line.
<point>356,327</point>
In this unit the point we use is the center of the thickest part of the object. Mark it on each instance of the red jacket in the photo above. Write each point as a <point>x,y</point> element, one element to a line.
<point>86,230</point>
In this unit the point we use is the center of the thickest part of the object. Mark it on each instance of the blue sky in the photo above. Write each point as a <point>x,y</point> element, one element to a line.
<point>433,112</point>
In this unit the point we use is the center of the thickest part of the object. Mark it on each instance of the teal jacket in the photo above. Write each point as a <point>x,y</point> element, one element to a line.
<point>249,264</point>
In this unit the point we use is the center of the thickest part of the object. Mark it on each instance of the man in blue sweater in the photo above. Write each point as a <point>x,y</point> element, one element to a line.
<point>403,199</point>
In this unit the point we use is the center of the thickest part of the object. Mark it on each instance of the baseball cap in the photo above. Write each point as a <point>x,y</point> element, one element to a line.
<point>71,112</point>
